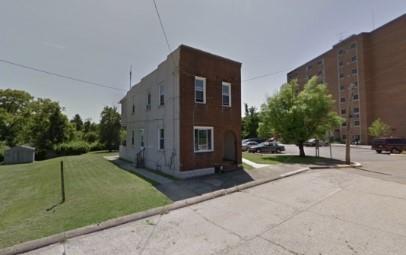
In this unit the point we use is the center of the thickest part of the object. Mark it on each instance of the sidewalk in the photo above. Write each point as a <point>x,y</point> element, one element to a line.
<point>367,147</point>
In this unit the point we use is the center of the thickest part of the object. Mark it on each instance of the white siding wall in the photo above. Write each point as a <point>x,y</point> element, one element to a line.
<point>166,116</point>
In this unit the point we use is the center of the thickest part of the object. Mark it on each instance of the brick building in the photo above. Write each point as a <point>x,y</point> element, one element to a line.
<point>367,71</point>
<point>184,118</point>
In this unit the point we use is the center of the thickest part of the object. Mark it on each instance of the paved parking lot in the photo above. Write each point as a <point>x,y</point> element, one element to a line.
<point>317,212</point>
<point>390,166</point>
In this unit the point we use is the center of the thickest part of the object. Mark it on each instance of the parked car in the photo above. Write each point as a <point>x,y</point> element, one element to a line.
<point>248,144</point>
<point>272,147</point>
<point>258,140</point>
<point>390,144</point>
<point>312,142</point>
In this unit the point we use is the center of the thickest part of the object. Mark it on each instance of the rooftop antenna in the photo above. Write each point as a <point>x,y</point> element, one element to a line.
<point>131,72</point>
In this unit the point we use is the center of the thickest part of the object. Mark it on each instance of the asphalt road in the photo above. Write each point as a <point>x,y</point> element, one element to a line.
<point>317,212</point>
<point>390,167</point>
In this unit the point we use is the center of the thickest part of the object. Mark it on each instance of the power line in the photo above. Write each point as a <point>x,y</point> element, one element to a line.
<point>266,75</point>
<point>162,26</point>
<point>59,75</point>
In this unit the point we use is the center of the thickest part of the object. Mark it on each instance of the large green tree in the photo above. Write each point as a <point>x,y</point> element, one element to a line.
<point>298,115</point>
<point>15,109</point>
<point>110,127</point>
<point>77,122</point>
<point>378,128</point>
<point>250,122</point>
<point>49,126</point>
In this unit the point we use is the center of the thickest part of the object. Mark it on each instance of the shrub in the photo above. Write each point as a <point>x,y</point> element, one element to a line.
<point>72,148</point>
<point>90,137</point>
<point>97,146</point>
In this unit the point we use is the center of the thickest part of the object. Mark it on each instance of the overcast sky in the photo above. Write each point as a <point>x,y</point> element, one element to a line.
<point>97,40</point>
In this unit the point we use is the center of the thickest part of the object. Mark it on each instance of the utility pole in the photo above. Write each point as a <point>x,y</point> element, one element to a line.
<point>348,126</point>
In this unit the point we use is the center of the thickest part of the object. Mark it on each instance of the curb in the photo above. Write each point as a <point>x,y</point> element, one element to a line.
<point>61,237</point>
<point>352,165</point>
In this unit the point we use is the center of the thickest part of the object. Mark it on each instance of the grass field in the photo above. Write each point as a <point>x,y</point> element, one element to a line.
<point>96,190</point>
<point>286,159</point>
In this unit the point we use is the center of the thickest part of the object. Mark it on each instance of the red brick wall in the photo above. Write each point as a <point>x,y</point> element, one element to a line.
<point>215,69</point>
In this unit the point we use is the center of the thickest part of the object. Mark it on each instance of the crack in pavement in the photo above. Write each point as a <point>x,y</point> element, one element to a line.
<point>281,246</point>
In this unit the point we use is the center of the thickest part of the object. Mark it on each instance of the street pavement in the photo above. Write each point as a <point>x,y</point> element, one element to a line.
<point>391,167</point>
<point>317,212</point>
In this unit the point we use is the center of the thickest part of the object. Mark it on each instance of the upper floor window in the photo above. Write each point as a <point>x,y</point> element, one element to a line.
<point>141,137</point>
<point>200,90</point>
<point>353,45</point>
<point>355,97</point>
<point>340,52</point>
<point>149,101</point>
<point>354,58</point>
<point>161,138</point>
<point>342,99</point>
<point>133,110</point>
<point>161,95</point>
<point>354,71</point>
<point>356,110</point>
<point>226,93</point>
<point>341,75</point>
<point>203,139</point>
<point>132,137</point>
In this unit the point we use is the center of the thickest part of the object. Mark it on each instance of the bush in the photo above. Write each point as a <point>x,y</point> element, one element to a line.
<point>97,146</point>
<point>72,148</point>
<point>90,137</point>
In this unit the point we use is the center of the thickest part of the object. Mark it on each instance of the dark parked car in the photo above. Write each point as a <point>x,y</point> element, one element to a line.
<point>248,144</point>
<point>272,147</point>
<point>258,140</point>
<point>393,145</point>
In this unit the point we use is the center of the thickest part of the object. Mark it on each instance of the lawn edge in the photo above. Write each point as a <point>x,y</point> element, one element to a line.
<point>63,236</point>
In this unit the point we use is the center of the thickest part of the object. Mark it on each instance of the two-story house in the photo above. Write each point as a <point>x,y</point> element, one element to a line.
<point>184,118</point>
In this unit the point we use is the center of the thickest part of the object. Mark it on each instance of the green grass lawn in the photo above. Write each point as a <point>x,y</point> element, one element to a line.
<point>286,159</point>
<point>96,190</point>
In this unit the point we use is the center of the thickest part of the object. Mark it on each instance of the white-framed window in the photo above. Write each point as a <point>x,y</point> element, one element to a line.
<point>132,137</point>
<point>149,99</point>
<point>200,90</point>
<point>226,93</point>
<point>161,95</point>
<point>203,139</point>
<point>161,139</point>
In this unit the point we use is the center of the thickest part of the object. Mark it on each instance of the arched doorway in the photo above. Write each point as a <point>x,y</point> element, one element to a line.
<point>230,149</point>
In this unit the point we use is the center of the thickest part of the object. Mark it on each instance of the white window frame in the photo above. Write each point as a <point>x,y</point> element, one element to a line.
<point>204,89</point>
<point>227,84</point>
<point>212,138</point>
<point>160,138</point>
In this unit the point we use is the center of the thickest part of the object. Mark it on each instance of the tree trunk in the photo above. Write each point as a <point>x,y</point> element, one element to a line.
<point>301,150</point>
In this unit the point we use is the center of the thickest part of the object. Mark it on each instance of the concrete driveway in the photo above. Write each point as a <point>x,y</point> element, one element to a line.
<point>317,212</point>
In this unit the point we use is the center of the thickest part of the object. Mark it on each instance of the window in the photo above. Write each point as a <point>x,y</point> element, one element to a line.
<point>341,75</point>
<point>353,46</point>
<point>133,108</point>
<point>161,138</point>
<point>342,100</point>
<point>340,52</point>
<point>356,123</point>
<point>355,110</point>
<point>141,137</point>
<point>132,137</point>
<point>355,97</point>
<point>226,94</point>
<point>200,90</point>
<point>161,95</point>
<point>354,71</point>
<point>354,58</point>
<point>344,124</point>
<point>203,139</point>
<point>149,101</point>
<point>343,111</point>
<point>341,87</point>
<point>341,63</point>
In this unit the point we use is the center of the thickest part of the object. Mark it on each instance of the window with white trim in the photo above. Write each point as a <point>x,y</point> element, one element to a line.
<point>141,137</point>
<point>161,95</point>
<point>226,93</point>
<point>161,138</point>
<point>200,90</point>
<point>203,139</point>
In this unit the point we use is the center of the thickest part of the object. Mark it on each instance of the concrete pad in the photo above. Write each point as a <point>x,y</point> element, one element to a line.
<point>257,246</point>
<point>302,191</point>
<point>243,214</point>
<point>309,233</point>
<point>379,212</point>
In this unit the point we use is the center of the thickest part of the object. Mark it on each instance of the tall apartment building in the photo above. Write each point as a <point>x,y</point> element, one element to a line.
<point>368,71</point>
<point>184,118</point>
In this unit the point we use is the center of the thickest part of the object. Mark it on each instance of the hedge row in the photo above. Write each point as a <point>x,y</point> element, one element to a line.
<point>77,148</point>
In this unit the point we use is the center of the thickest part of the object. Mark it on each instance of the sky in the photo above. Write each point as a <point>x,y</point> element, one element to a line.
<point>98,40</point>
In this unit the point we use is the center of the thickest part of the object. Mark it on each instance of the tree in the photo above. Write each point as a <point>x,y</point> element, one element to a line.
<point>378,128</point>
<point>297,116</point>
<point>250,122</point>
<point>110,128</point>
<point>77,122</point>
<point>49,126</point>
<point>14,114</point>
<point>89,126</point>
